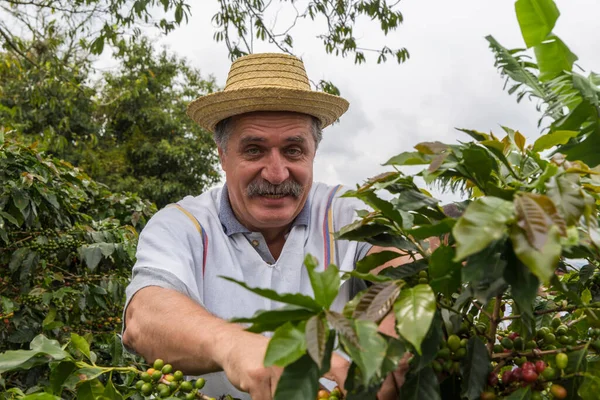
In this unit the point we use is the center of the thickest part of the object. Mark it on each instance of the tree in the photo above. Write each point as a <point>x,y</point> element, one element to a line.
<point>567,97</point>
<point>89,23</point>
<point>157,150</point>
<point>67,245</point>
<point>128,129</point>
<point>239,23</point>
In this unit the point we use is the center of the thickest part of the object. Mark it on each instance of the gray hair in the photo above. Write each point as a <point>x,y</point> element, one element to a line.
<point>224,128</point>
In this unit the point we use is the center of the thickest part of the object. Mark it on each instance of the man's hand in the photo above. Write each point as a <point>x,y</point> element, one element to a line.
<point>243,363</point>
<point>391,386</point>
<point>338,371</point>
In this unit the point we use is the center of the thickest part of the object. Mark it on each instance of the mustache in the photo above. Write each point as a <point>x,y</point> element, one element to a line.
<point>261,187</point>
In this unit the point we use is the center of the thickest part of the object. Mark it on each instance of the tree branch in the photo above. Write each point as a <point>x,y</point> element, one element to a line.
<point>14,47</point>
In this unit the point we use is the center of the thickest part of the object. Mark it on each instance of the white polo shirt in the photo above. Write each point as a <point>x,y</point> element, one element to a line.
<point>188,247</point>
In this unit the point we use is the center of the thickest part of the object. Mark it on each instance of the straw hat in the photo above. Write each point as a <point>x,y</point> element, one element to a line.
<point>266,82</point>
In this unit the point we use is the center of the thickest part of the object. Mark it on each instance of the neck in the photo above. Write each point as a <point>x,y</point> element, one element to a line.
<point>275,239</point>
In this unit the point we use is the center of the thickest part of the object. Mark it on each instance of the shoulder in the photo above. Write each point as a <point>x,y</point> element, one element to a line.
<point>180,218</point>
<point>326,197</point>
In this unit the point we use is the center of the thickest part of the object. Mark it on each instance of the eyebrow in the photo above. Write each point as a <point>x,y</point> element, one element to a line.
<point>251,139</point>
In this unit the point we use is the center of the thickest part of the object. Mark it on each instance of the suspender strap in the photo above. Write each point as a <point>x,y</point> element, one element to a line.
<point>200,230</point>
<point>328,230</point>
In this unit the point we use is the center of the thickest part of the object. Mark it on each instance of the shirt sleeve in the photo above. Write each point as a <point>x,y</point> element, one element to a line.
<point>169,255</point>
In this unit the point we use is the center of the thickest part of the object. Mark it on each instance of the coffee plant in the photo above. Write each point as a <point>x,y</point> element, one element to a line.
<point>500,297</point>
<point>67,245</point>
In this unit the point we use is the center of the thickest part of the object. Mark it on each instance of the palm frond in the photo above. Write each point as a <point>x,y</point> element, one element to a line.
<point>554,96</point>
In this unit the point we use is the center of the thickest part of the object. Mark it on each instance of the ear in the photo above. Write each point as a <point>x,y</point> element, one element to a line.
<point>221,157</point>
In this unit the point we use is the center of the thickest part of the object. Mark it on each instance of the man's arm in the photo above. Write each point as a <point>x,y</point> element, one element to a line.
<point>162,323</point>
<point>393,382</point>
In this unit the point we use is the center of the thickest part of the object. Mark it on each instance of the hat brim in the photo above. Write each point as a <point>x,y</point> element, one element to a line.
<point>209,110</point>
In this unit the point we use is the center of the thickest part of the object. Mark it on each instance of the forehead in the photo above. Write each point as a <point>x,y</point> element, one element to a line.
<point>274,124</point>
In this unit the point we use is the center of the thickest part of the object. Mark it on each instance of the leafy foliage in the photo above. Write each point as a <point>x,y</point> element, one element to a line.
<point>91,23</point>
<point>67,246</point>
<point>129,130</point>
<point>515,279</point>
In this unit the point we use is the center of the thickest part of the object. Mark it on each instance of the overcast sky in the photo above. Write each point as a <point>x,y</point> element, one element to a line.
<point>449,81</point>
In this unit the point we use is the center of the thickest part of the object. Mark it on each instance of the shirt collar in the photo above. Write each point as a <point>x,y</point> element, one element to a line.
<point>231,225</point>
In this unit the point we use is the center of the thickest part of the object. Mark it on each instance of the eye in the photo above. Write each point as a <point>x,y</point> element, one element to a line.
<point>293,151</point>
<point>252,151</point>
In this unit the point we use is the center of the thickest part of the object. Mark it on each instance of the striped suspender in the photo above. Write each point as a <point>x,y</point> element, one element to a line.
<point>200,230</point>
<point>328,230</point>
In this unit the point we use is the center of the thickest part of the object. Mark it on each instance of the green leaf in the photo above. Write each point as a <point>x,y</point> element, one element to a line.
<point>586,150</point>
<point>484,272</point>
<point>83,375</point>
<point>97,46</point>
<point>377,301</point>
<point>541,263</point>
<point>286,346</point>
<point>475,368</point>
<point>479,163</point>
<point>437,229</point>
<point>110,391</point>
<point>385,207</point>
<point>288,298</point>
<point>422,385</point>
<point>9,218</point>
<point>369,356</point>
<point>483,222</point>
<point>20,198</point>
<point>49,317</point>
<point>586,296</point>
<point>404,270</point>
<point>553,57</point>
<point>59,374</point>
<point>412,199</point>
<point>40,396</point>
<point>409,158</point>
<point>431,344</point>
<point>524,285</point>
<point>520,394</point>
<point>7,304</point>
<point>375,260</point>
<point>536,19</point>
<point>92,256</point>
<point>414,312</point>
<point>81,344</point>
<point>479,136</point>
<point>431,147</point>
<point>316,339</point>
<point>444,274</point>
<point>566,193</point>
<point>43,350</point>
<point>360,230</point>
<point>325,284</point>
<point>299,381</point>
<point>273,319</point>
<point>577,365</point>
<point>395,352</point>
<point>552,139</point>
<point>17,258</point>
<point>590,387</point>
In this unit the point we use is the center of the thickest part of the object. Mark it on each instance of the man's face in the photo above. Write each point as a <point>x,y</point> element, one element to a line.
<point>268,166</point>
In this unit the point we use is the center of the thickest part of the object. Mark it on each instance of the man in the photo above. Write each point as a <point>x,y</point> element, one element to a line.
<point>257,228</point>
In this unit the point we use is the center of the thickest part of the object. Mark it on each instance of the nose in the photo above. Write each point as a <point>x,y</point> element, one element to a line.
<point>275,170</point>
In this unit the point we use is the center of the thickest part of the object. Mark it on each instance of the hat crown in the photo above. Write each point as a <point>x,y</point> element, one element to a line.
<point>267,70</point>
